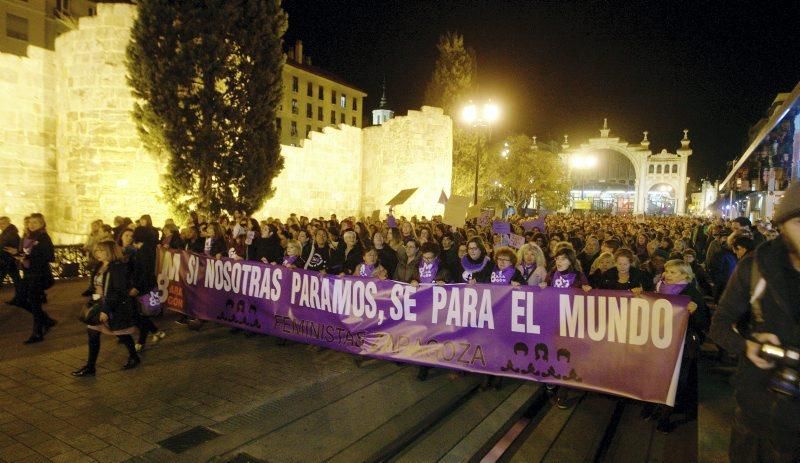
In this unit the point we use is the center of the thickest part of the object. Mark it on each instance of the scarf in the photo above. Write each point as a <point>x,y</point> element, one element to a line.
<point>471,267</point>
<point>502,277</point>
<point>670,288</point>
<point>366,270</point>
<point>289,260</point>
<point>428,270</point>
<point>563,280</point>
<point>527,271</point>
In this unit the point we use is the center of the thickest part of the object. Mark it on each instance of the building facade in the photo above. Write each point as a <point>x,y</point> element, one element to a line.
<point>38,22</point>
<point>614,176</point>
<point>314,99</point>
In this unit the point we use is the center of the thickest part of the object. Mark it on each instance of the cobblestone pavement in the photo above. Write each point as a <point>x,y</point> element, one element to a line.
<point>188,379</point>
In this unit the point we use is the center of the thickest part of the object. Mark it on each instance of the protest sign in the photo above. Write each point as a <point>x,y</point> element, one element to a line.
<point>485,218</point>
<point>501,227</point>
<point>516,241</point>
<point>454,210</point>
<point>604,341</point>
<point>401,197</point>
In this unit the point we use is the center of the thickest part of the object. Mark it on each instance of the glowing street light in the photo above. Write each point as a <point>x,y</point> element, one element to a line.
<point>479,117</point>
<point>582,162</point>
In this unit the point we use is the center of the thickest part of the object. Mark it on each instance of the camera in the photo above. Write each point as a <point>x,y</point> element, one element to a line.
<point>786,378</point>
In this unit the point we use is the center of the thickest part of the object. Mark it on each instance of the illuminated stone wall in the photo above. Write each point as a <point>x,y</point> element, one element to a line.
<point>414,151</point>
<point>69,147</point>
<point>102,168</point>
<point>27,133</point>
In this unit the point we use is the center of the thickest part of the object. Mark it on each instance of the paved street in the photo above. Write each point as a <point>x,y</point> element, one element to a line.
<point>260,401</point>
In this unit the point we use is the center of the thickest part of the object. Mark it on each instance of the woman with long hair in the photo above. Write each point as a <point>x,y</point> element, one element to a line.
<point>112,288</point>
<point>34,257</point>
<point>532,264</point>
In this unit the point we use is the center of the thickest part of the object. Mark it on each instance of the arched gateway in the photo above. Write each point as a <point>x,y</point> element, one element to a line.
<point>625,178</point>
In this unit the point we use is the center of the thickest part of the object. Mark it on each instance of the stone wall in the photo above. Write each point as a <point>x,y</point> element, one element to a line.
<point>102,168</point>
<point>69,147</point>
<point>27,133</point>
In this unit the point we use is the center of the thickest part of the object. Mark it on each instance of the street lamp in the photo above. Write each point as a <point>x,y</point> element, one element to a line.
<point>583,162</point>
<point>479,117</point>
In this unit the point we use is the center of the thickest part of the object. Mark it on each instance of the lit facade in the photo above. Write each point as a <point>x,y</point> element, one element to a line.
<point>38,22</point>
<point>314,99</point>
<point>626,178</point>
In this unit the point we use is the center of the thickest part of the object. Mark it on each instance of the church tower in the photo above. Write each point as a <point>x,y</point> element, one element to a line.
<point>382,114</point>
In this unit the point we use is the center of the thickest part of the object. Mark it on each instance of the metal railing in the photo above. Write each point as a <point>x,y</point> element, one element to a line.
<point>71,262</point>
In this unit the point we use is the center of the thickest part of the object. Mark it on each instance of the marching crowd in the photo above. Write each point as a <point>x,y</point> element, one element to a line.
<point>670,255</point>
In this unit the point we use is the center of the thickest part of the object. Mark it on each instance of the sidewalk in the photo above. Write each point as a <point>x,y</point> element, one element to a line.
<point>188,379</point>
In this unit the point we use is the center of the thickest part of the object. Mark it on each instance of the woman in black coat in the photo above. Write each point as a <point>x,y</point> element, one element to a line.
<point>624,276</point>
<point>142,267</point>
<point>112,285</point>
<point>34,257</point>
<point>476,265</point>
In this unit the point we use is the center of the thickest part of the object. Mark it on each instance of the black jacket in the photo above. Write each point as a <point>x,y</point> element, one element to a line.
<point>636,279</point>
<point>269,248</point>
<point>117,304</point>
<point>198,245</point>
<point>9,238</point>
<point>387,257</point>
<point>37,271</point>
<point>481,276</point>
<point>344,262</point>
<point>319,258</point>
<point>766,413</point>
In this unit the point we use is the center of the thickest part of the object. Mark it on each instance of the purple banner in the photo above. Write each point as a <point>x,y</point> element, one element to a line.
<point>605,341</point>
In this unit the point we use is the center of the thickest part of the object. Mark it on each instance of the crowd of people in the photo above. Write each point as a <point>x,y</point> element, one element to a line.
<point>671,255</point>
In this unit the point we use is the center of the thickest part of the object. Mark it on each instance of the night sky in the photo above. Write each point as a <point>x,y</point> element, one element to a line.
<point>560,67</point>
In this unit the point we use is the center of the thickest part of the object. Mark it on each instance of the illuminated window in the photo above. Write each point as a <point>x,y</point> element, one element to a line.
<point>293,129</point>
<point>295,84</point>
<point>321,92</point>
<point>16,27</point>
<point>319,113</point>
<point>295,110</point>
<point>343,101</point>
<point>355,104</point>
<point>309,110</point>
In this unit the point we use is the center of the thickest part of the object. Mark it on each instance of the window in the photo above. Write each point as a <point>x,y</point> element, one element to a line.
<point>674,168</point>
<point>16,27</point>
<point>333,116</point>
<point>651,169</point>
<point>658,169</point>
<point>341,118</point>
<point>355,104</point>
<point>309,110</point>
<point>321,92</point>
<point>354,121</point>
<point>294,106</point>
<point>293,131</point>
<point>333,96</point>
<point>308,130</point>
<point>295,84</point>
<point>278,124</point>
<point>343,102</point>
<point>310,89</point>
<point>319,113</point>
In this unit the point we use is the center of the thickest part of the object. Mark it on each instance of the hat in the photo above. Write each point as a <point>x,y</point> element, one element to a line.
<point>789,206</point>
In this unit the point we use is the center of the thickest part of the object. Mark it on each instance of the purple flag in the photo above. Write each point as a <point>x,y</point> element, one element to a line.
<point>604,341</point>
<point>391,221</point>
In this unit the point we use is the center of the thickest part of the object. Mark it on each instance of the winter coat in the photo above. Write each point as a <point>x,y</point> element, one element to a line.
<point>116,302</point>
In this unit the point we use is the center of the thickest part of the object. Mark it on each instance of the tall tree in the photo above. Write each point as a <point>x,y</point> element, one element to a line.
<point>452,83</point>
<point>208,79</point>
<point>524,171</point>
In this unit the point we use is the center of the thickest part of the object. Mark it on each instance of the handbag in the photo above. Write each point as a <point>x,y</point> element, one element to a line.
<point>90,314</point>
<point>150,303</point>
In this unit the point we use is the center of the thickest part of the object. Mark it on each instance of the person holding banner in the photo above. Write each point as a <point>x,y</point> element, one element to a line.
<point>505,271</point>
<point>475,265</point>
<point>603,263</point>
<point>590,252</point>
<point>293,257</point>
<point>624,276</point>
<point>387,256</point>
<point>347,257</point>
<point>215,245</point>
<point>269,250</point>
<point>370,267</point>
<point>677,279</point>
<point>430,269</point>
<point>532,264</point>
<point>407,267</point>
<point>320,254</point>
<point>111,290</point>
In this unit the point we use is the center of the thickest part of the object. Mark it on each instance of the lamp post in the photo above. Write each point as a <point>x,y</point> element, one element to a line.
<point>582,162</point>
<point>479,118</point>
